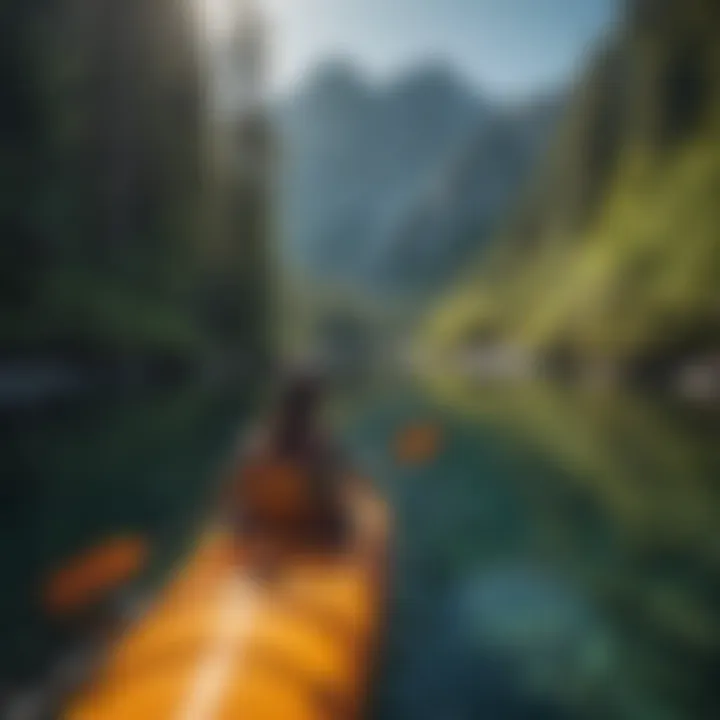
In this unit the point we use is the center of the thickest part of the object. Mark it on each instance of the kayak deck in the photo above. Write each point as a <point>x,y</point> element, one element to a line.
<point>219,645</point>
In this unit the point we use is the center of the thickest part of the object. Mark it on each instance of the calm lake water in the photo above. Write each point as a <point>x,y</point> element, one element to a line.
<point>558,559</point>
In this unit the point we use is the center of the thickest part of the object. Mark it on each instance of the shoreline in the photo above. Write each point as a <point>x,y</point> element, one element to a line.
<point>696,379</point>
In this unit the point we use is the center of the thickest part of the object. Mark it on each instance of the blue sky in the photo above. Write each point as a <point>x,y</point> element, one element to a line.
<point>509,48</point>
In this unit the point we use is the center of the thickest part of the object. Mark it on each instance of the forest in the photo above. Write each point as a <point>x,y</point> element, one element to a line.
<point>120,251</point>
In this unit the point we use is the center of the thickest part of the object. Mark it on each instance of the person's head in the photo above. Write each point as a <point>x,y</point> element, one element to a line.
<point>299,406</point>
<point>301,393</point>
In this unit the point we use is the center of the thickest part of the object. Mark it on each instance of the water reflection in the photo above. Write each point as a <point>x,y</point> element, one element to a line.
<point>560,560</point>
<point>543,625</point>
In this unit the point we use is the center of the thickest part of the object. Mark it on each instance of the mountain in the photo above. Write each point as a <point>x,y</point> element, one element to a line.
<point>356,153</point>
<point>465,201</point>
<point>613,259</point>
<point>394,187</point>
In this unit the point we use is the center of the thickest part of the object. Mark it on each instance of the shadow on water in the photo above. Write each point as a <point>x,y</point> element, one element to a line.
<point>559,559</point>
<point>83,473</point>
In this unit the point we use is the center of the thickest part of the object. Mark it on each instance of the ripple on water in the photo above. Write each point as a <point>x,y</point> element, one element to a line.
<point>541,624</point>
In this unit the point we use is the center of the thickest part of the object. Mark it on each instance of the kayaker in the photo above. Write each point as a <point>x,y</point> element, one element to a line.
<point>288,482</point>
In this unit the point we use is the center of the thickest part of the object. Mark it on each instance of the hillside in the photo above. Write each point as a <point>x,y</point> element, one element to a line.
<point>614,257</point>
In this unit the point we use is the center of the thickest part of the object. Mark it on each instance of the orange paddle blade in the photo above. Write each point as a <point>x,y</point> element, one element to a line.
<point>92,575</point>
<point>418,444</point>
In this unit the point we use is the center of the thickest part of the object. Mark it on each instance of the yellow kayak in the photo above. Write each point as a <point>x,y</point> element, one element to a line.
<point>219,645</point>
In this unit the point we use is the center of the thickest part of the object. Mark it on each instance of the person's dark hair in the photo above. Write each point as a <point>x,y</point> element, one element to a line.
<point>299,406</point>
<point>300,438</point>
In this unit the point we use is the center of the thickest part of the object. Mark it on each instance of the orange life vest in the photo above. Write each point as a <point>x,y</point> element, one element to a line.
<point>274,494</point>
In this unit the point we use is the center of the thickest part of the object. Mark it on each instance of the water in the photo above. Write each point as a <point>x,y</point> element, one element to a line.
<point>85,473</point>
<point>558,559</point>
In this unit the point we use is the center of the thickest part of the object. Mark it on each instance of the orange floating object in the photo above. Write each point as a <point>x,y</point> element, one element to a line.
<point>89,577</point>
<point>220,645</point>
<point>418,444</point>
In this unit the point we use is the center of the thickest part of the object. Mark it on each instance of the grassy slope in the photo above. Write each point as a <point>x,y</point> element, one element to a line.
<point>639,279</point>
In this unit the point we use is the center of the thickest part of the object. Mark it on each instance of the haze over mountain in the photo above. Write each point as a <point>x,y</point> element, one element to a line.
<point>381,181</point>
<point>468,198</point>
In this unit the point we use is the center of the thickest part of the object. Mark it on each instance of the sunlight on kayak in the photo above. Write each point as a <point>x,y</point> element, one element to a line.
<point>221,644</point>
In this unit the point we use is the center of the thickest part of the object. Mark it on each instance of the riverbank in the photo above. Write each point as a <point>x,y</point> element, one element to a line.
<point>694,379</point>
<point>40,382</point>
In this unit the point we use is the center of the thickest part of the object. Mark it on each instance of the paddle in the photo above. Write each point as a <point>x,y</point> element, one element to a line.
<point>92,575</point>
<point>418,444</point>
